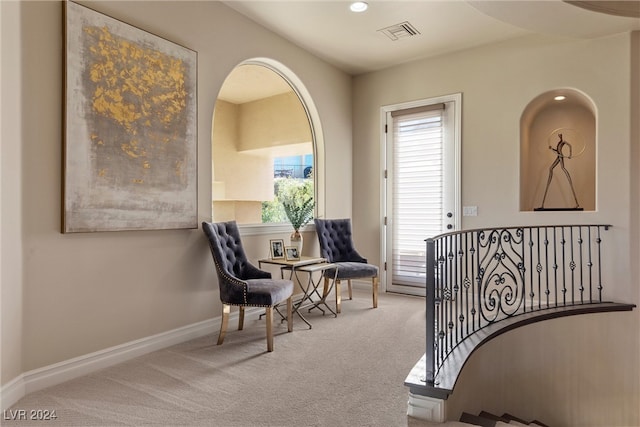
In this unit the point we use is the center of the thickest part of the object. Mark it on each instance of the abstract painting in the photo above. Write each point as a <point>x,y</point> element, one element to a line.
<point>130,127</point>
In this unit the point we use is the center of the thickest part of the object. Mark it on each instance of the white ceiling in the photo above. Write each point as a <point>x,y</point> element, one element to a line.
<point>352,42</point>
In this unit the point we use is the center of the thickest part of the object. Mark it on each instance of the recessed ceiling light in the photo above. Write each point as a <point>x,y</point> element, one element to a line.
<point>358,6</point>
<point>560,98</point>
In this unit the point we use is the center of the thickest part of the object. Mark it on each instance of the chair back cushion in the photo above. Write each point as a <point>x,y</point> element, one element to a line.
<point>226,247</point>
<point>336,243</point>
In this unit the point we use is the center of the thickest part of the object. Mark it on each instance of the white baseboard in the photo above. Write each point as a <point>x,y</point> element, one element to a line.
<point>51,375</point>
<point>427,408</point>
<point>11,392</point>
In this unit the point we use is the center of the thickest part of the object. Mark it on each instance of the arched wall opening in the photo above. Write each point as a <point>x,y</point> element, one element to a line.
<point>250,130</point>
<point>558,152</point>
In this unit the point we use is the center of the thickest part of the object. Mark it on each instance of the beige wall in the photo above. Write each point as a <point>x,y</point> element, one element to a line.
<point>564,372</point>
<point>81,293</point>
<point>11,258</point>
<point>634,157</point>
<point>497,82</point>
<point>272,122</point>
<point>228,160</point>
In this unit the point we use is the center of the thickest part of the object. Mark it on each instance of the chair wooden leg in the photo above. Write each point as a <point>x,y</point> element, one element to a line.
<point>350,290</point>
<point>290,314</point>
<point>338,297</point>
<point>241,318</point>
<point>375,292</point>
<point>226,309</point>
<point>325,290</point>
<point>269,320</point>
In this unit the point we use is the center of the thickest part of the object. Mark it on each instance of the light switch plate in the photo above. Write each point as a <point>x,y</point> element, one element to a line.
<point>469,211</point>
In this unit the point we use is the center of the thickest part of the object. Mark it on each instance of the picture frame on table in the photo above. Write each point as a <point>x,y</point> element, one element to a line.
<point>291,253</point>
<point>276,249</point>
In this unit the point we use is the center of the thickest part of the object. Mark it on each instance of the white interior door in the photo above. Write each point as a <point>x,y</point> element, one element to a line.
<point>421,185</point>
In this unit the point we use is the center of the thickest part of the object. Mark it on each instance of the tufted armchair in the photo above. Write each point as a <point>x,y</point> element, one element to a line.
<point>336,245</point>
<point>241,283</point>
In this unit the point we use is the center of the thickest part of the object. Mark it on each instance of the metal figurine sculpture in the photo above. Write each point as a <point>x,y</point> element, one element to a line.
<point>560,161</point>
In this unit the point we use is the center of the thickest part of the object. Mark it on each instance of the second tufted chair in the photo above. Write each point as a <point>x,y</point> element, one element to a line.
<point>336,245</point>
<point>241,283</point>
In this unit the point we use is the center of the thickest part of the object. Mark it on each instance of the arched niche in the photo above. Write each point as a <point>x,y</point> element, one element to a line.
<point>558,152</point>
<point>263,111</point>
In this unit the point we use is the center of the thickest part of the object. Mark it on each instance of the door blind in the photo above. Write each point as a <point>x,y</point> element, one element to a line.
<point>418,168</point>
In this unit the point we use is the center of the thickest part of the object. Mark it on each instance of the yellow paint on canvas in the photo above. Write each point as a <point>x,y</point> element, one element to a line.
<point>137,88</point>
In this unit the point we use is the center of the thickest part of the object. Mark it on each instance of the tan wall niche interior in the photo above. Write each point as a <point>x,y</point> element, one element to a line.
<point>245,139</point>
<point>541,123</point>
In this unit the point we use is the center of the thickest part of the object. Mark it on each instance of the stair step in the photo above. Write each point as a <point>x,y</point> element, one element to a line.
<point>512,418</point>
<point>487,419</point>
<point>476,420</point>
<point>511,423</point>
<point>490,416</point>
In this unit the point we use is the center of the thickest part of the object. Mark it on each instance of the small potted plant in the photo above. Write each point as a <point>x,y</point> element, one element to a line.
<point>298,205</point>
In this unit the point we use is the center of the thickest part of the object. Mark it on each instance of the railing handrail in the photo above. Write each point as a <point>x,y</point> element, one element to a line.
<point>478,277</point>
<point>471,230</point>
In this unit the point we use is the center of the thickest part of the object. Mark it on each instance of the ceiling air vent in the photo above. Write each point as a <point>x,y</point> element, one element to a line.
<point>400,31</point>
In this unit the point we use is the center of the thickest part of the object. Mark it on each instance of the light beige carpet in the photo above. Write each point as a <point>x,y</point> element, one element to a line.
<point>346,371</point>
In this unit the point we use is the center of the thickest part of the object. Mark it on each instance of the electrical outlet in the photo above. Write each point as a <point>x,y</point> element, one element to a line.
<point>469,211</point>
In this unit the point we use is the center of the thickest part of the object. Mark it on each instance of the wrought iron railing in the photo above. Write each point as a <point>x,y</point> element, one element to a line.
<point>476,278</point>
